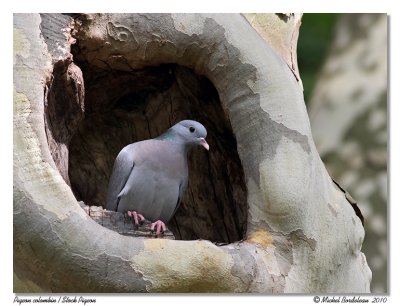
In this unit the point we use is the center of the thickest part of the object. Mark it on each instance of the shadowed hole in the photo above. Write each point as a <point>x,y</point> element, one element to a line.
<point>125,107</point>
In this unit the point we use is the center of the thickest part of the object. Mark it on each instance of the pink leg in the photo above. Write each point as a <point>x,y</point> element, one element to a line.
<point>136,217</point>
<point>159,226</point>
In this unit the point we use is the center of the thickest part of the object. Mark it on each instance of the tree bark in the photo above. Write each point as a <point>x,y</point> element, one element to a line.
<point>289,228</point>
<point>281,31</point>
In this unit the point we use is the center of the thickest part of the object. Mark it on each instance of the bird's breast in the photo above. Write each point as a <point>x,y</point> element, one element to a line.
<point>164,157</point>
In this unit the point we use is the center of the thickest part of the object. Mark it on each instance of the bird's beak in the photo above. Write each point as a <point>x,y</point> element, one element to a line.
<point>204,143</point>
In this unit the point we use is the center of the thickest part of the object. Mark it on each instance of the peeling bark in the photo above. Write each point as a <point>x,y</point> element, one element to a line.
<point>263,145</point>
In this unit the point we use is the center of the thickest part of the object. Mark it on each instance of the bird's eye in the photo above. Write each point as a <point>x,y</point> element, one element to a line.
<point>192,129</point>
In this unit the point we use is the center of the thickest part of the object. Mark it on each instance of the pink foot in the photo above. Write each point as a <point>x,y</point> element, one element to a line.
<point>138,219</point>
<point>159,227</point>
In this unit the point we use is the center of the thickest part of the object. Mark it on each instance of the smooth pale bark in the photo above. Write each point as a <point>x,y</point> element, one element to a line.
<point>302,234</point>
<point>281,31</point>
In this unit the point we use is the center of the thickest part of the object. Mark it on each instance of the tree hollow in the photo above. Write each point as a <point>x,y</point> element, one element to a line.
<point>122,107</point>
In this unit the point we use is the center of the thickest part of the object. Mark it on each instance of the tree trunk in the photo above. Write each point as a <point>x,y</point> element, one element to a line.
<point>348,113</point>
<point>262,195</point>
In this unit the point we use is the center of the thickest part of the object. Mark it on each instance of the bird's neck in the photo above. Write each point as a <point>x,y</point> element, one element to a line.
<point>168,135</point>
<point>174,138</point>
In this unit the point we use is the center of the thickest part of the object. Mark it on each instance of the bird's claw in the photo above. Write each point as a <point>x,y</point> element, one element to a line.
<point>159,227</point>
<point>138,219</point>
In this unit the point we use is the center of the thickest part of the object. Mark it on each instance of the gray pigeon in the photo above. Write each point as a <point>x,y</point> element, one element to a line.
<point>149,177</point>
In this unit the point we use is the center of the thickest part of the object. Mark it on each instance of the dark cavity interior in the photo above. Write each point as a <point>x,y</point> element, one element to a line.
<point>124,107</point>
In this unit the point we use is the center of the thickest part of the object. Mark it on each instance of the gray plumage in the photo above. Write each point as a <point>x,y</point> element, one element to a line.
<point>151,176</point>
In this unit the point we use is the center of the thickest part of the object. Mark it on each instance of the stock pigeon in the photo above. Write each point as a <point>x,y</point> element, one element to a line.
<point>149,177</point>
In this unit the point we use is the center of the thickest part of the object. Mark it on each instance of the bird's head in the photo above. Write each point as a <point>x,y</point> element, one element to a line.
<point>191,133</point>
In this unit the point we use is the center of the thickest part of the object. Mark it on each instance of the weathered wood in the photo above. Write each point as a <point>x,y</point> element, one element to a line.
<point>122,224</point>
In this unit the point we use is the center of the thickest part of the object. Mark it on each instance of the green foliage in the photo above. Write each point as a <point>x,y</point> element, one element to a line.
<point>316,33</point>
